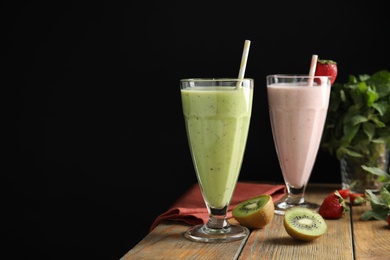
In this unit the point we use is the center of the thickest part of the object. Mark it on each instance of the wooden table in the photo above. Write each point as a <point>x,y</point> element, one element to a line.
<point>346,238</point>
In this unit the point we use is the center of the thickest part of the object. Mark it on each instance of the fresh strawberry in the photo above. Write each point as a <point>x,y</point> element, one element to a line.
<point>333,206</point>
<point>344,193</point>
<point>357,199</point>
<point>327,68</point>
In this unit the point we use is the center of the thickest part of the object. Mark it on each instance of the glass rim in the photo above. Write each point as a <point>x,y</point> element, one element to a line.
<point>295,76</point>
<point>214,79</point>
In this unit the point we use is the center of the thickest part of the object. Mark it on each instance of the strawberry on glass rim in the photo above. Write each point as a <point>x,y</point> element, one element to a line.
<point>327,68</point>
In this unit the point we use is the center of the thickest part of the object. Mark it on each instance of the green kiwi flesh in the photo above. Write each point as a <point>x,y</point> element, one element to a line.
<point>249,206</point>
<point>255,212</point>
<point>304,224</point>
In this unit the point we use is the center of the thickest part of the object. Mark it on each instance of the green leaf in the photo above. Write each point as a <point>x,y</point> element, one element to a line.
<point>370,214</point>
<point>343,151</point>
<point>343,97</point>
<point>364,77</point>
<point>377,121</point>
<point>349,133</point>
<point>371,96</point>
<point>381,107</point>
<point>369,130</point>
<point>381,81</point>
<point>385,197</point>
<point>377,171</point>
<point>358,119</point>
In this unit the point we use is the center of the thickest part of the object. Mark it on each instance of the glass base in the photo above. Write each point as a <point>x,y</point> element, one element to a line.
<point>202,233</point>
<point>286,203</point>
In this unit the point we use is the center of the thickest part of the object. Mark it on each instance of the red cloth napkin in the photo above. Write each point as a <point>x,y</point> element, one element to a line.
<point>191,209</point>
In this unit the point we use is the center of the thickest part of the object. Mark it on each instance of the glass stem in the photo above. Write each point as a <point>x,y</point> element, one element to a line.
<point>217,219</point>
<point>294,195</point>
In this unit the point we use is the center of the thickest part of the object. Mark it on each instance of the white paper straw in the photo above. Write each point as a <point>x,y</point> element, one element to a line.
<point>244,59</point>
<point>312,71</point>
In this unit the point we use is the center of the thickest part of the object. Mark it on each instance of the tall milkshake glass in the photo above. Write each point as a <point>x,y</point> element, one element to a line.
<point>298,106</point>
<point>217,114</point>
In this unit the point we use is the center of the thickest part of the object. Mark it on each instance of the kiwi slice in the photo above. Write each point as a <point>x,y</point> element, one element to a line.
<point>255,212</point>
<point>304,224</point>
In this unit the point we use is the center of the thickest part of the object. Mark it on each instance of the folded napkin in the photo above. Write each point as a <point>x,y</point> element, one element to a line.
<point>191,209</point>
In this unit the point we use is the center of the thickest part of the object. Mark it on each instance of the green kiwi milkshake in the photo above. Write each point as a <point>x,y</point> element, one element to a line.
<point>217,114</point>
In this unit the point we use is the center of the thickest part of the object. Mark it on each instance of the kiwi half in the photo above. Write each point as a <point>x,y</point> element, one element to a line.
<point>255,212</point>
<point>304,224</point>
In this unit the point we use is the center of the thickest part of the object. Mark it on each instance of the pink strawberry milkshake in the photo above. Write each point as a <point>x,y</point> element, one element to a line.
<point>298,114</point>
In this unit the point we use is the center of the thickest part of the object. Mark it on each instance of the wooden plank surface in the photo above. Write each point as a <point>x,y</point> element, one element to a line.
<point>372,237</point>
<point>343,240</point>
<point>166,241</point>
<point>273,242</point>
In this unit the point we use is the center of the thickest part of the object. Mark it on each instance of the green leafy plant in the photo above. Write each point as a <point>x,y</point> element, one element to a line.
<point>358,120</point>
<point>358,115</point>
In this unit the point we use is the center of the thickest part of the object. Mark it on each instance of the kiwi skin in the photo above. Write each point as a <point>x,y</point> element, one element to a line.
<point>304,224</point>
<point>256,212</point>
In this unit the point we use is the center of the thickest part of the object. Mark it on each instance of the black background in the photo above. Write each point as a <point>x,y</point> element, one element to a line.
<point>99,147</point>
